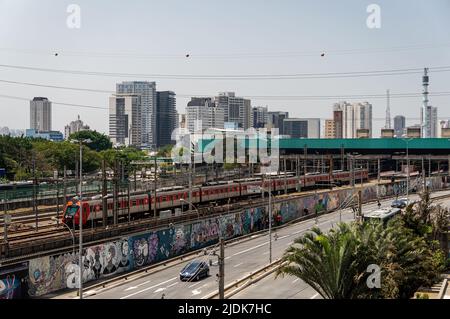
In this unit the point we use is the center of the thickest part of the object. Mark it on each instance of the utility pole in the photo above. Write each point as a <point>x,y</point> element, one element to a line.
<point>155,186</point>
<point>360,205</point>
<point>57,202</point>
<point>35,210</point>
<point>81,222</point>
<point>379,170</point>
<point>104,195</point>
<point>222,270</point>
<point>116,192</point>
<point>65,185</point>
<point>5,222</point>
<point>128,204</point>
<point>270,219</point>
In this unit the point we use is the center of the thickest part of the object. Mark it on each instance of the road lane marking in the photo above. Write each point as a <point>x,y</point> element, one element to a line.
<point>228,257</point>
<point>196,292</point>
<point>295,281</point>
<point>297,232</point>
<point>237,265</point>
<point>171,285</point>
<point>251,248</point>
<point>193,285</point>
<point>148,288</point>
<point>284,236</point>
<point>134,287</point>
<point>159,290</point>
<point>314,297</point>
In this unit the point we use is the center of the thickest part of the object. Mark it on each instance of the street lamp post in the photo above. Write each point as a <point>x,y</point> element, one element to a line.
<point>80,219</point>
<point>408,168</point>
<point>270,219</point>
<point>70,230</point>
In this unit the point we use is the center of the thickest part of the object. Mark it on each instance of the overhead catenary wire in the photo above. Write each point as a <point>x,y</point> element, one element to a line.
<point>297,76</point>
<point>222,56</point>
<point>266,97</point>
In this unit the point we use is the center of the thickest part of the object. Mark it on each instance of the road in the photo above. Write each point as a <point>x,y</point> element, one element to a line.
<point>241,258</point>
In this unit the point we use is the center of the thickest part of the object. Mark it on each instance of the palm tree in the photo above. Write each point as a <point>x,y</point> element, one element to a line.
<point>324,261</point>
<point>335,264</point>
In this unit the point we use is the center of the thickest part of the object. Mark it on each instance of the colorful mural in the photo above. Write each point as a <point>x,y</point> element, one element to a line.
<point>51,273</point>
<point>10,287</point>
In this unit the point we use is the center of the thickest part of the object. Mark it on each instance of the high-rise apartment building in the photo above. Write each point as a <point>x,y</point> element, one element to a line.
<point>41,114</point>
<point>203,113</point>
<point>354,117</point>
<point>125,119</point>
<point>276,120</point>
<point>399,126</point>
<point>166,117</point>
<point>148,102</point>
<point>302,128</point>
<point>236,109</point>
<point>330,129</point>
<point>260,116</point>
<point>73,127</point>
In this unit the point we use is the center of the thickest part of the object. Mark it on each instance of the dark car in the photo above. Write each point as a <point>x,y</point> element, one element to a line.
<point>400,203</point>
<point>194,271</point>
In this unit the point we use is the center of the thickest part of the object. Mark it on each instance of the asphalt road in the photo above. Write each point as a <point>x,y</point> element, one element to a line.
<point>240,259</point>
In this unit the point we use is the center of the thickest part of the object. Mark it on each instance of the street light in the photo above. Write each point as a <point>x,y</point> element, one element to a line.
<point>195,208</point>
<point>80,219</point>
<point>407,164</point>
<point>70,230</point>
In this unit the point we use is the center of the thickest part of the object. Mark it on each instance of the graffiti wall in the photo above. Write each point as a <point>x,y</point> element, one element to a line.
<point>52,273</point>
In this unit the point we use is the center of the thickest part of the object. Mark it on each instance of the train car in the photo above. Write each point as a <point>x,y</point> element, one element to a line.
<point>172,197</point>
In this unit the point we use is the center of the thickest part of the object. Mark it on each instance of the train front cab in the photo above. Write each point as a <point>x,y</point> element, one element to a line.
<point>71,215</point>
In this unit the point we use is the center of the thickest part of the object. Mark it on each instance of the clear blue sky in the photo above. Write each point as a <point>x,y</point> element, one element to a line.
<point>173,28</point>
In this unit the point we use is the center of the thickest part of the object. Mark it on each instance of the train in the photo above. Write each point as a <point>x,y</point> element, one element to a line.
<point>141,204</point>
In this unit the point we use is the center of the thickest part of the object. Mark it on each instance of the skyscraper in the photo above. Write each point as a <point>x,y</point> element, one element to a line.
<point>260,116</point>
<point>125,119</point>
<point>330,129</point>
<point>41,114</point>
<point>236,109</point>
<point>202,113</point>
<point>399,126</point>
<point>355,116</point>
<point>147,91</point>
<point>275,120</point>
<point>166,117</point>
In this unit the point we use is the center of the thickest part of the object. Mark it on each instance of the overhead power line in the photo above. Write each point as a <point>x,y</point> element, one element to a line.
<point>222,56</point>
<point>298,76</point>
<point>261,97</point>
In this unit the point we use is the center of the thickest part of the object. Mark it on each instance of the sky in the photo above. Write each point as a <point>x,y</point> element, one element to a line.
<point>232,37</point>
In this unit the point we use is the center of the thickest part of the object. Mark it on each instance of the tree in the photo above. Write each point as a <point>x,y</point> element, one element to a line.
<point>335,264</point>
<point>100,142</point>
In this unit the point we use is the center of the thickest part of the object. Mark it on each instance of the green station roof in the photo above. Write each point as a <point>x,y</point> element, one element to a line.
<point>366,143</point>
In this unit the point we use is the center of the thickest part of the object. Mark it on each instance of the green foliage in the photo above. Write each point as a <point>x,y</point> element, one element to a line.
<point>165,151</point>
<point>124,154</point>
<point>100,142</point>
<point>335,264</point>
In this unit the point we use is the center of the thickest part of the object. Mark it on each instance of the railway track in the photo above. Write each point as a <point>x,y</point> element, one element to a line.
<point>22,229</point>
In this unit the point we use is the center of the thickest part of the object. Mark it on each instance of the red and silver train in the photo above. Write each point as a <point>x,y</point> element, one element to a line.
<point>177,196</point>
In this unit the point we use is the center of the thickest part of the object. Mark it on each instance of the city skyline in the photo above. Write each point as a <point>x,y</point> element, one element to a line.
<point>263,50</point>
